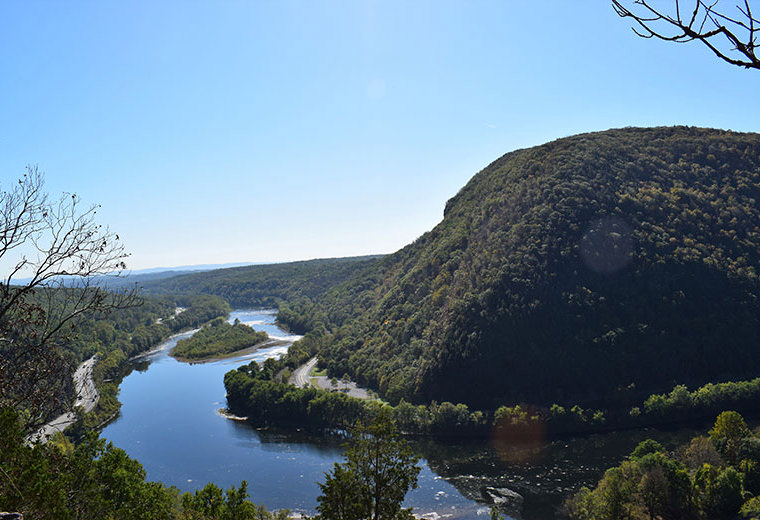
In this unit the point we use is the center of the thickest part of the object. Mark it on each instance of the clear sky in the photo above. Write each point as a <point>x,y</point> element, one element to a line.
<point>231,131</point>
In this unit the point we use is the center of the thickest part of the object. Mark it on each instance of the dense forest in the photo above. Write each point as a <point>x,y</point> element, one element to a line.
<point>566,273</point>
<point>605,254</point>
<point>137,328</point>
<point>264,285</point>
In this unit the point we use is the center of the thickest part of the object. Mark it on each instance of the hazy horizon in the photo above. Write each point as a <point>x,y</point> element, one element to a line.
<point>268,132</point>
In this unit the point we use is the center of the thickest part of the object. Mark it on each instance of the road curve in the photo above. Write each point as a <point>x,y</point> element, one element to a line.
<point>300,376</point>
<point>87,394</point>
<point>87,398</point>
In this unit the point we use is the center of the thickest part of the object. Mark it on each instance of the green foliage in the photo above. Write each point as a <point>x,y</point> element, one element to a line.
<point>729,425</point>
<point>213,503</point>
<point>695,484</point>
<point>717,491</point>
<point>728,434</point>
<point>261,393</point>
<point>750,510</point>
<point>651,487</point>
<point>96,480</point>
<point>255,391</point>
<point>296,283</point>
<point>371,484</point>
<point>217,339</point>
<point>646,447</point>
<point>605,254</point>
<point>515,419</point>
<point>125,333</point>
<point>707,400</point>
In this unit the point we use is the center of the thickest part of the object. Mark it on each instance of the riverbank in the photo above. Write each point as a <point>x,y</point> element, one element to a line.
<point>164,345</point>
<point>171,422</point>
<point>314,401</point>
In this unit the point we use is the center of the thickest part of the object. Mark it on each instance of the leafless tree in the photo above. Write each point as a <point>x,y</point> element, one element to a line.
<point>729,33</point>
<point>63,255</point>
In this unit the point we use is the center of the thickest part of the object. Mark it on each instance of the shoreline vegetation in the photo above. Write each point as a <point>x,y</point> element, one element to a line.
<point>94,479</point>
<point>713,476</point>
<point>219,339</point>
<point>142,332</point>
<point>261,393</point>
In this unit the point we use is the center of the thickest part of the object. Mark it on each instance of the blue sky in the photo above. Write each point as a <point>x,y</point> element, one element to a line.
<point>222,131</point>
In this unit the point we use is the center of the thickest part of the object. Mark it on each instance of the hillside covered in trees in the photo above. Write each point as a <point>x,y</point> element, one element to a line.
<point>265,285</point>
<point>594,269</point>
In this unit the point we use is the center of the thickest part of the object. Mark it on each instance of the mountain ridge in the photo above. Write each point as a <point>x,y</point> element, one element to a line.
<point>618,245</point>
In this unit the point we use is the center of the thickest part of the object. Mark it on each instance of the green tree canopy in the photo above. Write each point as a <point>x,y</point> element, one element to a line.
<point>371,484</point>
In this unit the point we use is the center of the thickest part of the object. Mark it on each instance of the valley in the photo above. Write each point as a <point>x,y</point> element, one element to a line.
<point>170,421</point>
<point>512,344</point>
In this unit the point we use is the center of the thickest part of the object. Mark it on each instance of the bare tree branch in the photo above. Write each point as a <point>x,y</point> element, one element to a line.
<point>730,36</point>
<point>65,256</point>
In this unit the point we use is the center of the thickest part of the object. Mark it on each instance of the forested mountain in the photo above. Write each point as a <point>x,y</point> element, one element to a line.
<point>597,268</point>
<point>265,285</point>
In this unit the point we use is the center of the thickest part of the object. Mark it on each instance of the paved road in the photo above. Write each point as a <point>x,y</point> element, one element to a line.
<point>87,394</point>
<point>301,379</point>
<point>300,376</point>
<point>87,398</point>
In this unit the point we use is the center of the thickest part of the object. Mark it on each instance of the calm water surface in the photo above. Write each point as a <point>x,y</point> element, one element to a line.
<point>170,422</point>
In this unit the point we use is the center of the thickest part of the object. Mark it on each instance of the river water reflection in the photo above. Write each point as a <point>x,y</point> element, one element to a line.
<point>170,422</point>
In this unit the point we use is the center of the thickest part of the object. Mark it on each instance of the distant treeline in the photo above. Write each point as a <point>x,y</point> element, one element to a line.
<point>265,285</point>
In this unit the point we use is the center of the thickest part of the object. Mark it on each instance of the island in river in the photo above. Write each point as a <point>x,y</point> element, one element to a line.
<point>170,420</point>
<point>219,339</point>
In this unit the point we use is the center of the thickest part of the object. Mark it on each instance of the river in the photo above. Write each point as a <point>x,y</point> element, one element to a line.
<point>170,422</point>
